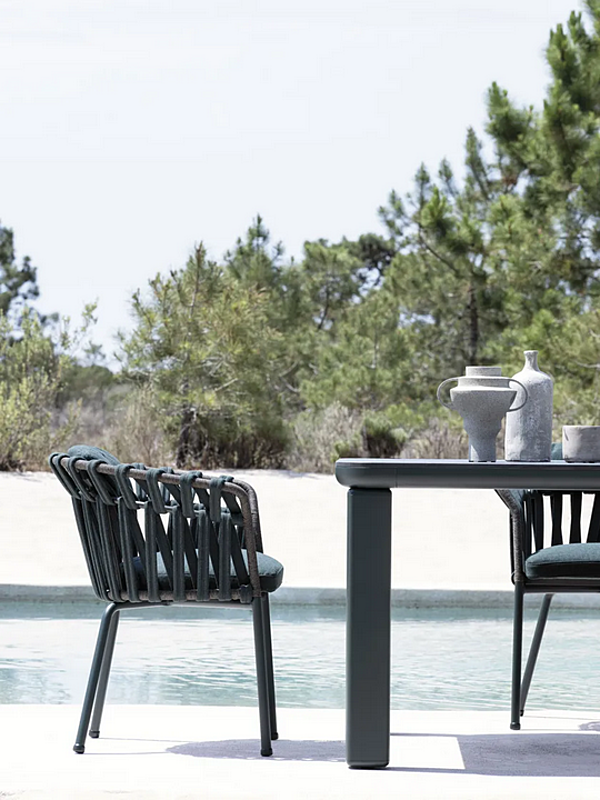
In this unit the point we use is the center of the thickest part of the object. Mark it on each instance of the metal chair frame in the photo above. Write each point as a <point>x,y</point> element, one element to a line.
<point>529,535</point>
<point>206,553</point>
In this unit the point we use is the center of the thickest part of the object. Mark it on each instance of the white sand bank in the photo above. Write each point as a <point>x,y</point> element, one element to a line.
<point>448,539</point>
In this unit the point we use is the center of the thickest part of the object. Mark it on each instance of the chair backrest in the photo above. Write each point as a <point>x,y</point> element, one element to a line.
<point>528,513</point>
<point>529,510</point>
<point>159,536</point>
<point>537,535</point>
<point>578,529</point>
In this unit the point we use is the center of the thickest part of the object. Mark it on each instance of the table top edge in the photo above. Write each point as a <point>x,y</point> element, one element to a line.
<point>455,473</point>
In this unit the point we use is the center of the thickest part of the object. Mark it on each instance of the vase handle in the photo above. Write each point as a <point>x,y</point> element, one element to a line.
<point>526,395</point>
<point>439,393</point>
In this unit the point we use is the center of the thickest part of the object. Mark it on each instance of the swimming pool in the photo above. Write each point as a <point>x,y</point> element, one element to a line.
<point>450,658</point>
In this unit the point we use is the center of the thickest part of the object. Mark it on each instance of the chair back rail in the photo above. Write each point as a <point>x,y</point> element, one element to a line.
<point>154,535</point>
<point>529,533</point>
<point>535,513</point>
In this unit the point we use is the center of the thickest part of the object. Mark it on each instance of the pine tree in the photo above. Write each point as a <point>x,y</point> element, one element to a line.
<point>203,342</point>
<point>18,283</point>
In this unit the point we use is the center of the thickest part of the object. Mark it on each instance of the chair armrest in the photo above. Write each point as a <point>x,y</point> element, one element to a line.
<point>514,499</point>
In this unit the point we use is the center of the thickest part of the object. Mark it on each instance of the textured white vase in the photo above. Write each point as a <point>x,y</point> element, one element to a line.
<point>528,435</point>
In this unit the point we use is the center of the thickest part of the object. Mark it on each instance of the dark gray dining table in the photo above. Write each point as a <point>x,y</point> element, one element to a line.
<point>370,482</point>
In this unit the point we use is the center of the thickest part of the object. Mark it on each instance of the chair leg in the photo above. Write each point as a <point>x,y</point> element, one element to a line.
<point>269,664</point>
<point>90,695</point>
<point>261,678</point>
<point>534,649</point>
<point>515,700</point>
<point>104,675</point>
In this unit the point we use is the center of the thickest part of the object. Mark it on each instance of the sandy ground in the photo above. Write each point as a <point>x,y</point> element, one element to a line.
<point>447,539</point>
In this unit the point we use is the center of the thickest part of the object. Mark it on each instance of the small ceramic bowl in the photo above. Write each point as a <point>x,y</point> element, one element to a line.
<point>581,442</point>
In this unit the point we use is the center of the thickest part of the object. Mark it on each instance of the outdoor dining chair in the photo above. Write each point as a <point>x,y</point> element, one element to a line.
<point>547,560</point>
<point>153,537</point>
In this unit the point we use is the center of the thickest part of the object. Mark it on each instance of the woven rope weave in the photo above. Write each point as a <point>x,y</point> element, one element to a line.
<point>159,536</point>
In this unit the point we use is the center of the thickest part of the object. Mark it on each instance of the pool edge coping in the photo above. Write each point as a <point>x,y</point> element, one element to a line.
<point>323,596</point>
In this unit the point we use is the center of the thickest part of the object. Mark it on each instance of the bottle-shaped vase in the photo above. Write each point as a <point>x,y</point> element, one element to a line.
<point>528,433</point>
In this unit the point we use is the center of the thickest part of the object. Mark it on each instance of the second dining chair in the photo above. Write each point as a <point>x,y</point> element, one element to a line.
<point>547,558</point>
<point>153,537</point>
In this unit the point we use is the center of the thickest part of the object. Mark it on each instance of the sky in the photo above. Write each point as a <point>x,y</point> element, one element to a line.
<point>132,130</point>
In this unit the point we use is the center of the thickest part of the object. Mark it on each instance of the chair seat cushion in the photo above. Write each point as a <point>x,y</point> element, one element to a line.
<point>565,561</point>
<point>269,569</point>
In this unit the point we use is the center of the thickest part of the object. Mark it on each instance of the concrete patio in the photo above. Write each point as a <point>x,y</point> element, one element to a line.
<point>184,752</point>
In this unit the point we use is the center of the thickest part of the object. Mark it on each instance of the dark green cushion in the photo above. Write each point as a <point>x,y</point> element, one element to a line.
<point>269,570</point>
<point>565,561</point>
<point>88,453</point>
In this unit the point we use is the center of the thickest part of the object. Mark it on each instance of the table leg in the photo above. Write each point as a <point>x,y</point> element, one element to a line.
<point>368,628</point>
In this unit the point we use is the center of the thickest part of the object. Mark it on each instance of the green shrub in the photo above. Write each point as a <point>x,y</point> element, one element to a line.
<point>381,439</point>
<point>320,437</point>
<point>438,438</point>
<point>135,432</point>
<point>30,378</point>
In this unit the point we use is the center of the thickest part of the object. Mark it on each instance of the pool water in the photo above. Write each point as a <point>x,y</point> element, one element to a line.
<point>441,659</point>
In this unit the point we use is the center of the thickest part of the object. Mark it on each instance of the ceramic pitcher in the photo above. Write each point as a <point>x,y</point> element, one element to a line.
<point>482,397</point>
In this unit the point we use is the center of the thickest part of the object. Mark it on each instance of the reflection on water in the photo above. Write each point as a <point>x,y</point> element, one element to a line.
<point>448,658</point>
